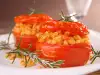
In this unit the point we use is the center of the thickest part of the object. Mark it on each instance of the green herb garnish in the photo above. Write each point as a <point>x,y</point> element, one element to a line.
<point>66,18</point>
<point>34,11</point>
<point>96,54</point>
<point>25,52</point>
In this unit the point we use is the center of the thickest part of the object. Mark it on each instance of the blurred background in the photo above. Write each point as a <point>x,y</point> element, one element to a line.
<point>11,8</point>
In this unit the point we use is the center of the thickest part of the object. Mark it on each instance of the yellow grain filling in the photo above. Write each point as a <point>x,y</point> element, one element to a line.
<point>48,36</point>
<point>29,29</point>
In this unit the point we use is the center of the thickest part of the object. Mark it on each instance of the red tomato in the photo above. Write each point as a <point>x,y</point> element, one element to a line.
<point>50,26</point>
<point>21,18</point>
<point>42,17</point>
<point>30,19</point>
<point>73,55</point>
<point>25,41</point>
<point>75,28</point>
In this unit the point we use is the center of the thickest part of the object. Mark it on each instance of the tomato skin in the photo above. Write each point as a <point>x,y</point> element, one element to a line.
<point>25,41</point>
<point>50,26</point>
<point>74,28</point>
<point>42,17</point>
<point>21,18</point>
<point>73,55</point>
<point>30,19</point>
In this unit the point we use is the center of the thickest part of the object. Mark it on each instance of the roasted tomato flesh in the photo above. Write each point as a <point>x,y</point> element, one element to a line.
<point>73,55</point>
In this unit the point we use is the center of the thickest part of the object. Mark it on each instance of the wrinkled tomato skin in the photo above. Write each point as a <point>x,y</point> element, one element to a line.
<point>21,18</point>
<point>25,41</point>
<point>73,55</point>
<point>52,26</point>
<point>31,19</point>
<point>74,28</point>
<point>42,17</point>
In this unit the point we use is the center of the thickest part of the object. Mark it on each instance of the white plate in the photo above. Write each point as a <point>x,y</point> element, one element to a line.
<point>8,69</point>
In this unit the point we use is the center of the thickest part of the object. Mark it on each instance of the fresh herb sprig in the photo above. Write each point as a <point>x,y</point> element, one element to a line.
<point>34,11</point>
<point>4,45</point>
<point>96,54</point>
<point>66,18</point>
<point>25,52</point>
<point>34,56</point>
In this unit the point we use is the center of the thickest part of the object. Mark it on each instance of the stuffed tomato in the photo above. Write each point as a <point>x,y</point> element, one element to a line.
<point>67,41</point>
<point>26,28</point>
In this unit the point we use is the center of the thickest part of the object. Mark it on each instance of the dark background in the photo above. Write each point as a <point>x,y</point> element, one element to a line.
<point>11,8</point>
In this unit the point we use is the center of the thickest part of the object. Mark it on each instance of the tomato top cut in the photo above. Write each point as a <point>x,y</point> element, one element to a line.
<point>74,28</point>
<point>21,18</point>
<point>30,19</point>
<point>42,17</point>
<point>50,26</point>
